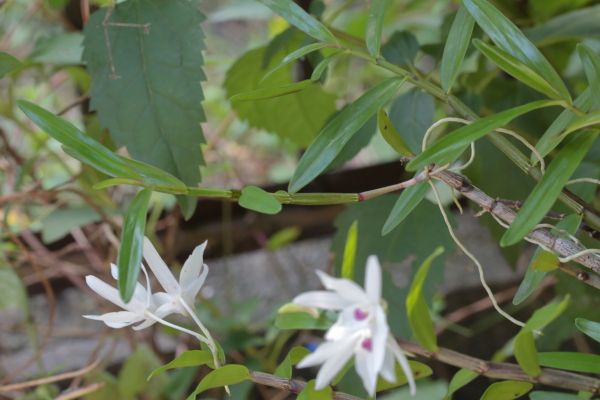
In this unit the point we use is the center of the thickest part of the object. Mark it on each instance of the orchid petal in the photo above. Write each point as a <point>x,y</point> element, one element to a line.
<point>324,352</point>
<point>159,268</point>
<point>399,354</point>
<point>379,337</point>
<point>346,288</point>
<point>117,319</point>
<point>321,299</point>
<point>192,267</point>
<point>373,279</point>
<point>388,369</point>
<point>346,324</point>
<point>190,291</point>
<point>366,369</point>
<point>336,362</point>
<point>104,290</point>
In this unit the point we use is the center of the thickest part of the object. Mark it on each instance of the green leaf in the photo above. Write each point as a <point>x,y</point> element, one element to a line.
<point>517,69</point>
<point>359,140</point>
<point>61,221</point>
<point>302,320</point>
<point>450,146</point>
<point>546,191</point>
<point>456,47</point>
<point>526,353</point>
<point>375,25</point>
<point>130,248</point>
<point>87,149</point>
<point>350,252</point>
<point>506,390</point>
<point>591,66</point>
<point>580,362</point>
<point>8,63</point>
<point>338,131</point>
<point>156,177</point>
<point>416,307</point>
<point>530,281</point>
<point>272,92</point>
<point>510,39</point>
<point>545,395</point>
<point>310,393</point>
<point>227,375</point>
<point>14,296</point>
<point>58,49</point>
<point>581,122</point>
<point>283,237</point>
<point>460,379</point>
<point>549,141</point>
<point>256,199</point>
<point>153,106</point>
<point>322,66</point>
<point>390,134</point>
<point>190,358</point>
<point>406,203</point>
<point>297,117</point>
<point>418,369</point>
<point>296,16</point>
<point>545,315</point>
<point>590,328</point>
<point>401,48</point>
<point>412,114</point>
<point>132,375</point>
<point>296,54</point>
<point>575,25</point>
<point>297,353</point>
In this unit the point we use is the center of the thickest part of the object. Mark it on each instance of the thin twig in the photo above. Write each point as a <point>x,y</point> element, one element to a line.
<point>291,385</point>
<point>80,392</point>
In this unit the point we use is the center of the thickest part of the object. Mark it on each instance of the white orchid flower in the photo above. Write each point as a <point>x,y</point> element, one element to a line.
<point>137,310</point>
<point>360,331</point>
<point>178,295</point>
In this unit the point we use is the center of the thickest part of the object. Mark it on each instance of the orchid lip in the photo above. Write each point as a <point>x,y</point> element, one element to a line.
<point>367,344</point>
<point>360,315</point>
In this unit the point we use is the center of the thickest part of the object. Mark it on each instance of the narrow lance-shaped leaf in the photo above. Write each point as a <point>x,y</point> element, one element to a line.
<point>296,16</point>
<point>272,92</point>
<point>407,201</point>
<point>449,147</point>
<point>416,306</point>
<point>506,390</point>
<point>591,66</point>
<point>590,328</point>
<point>284,370</point>
<point>339,131</point>
<point>516,68</point>
<point>545,315</point>
<point>227,375</point>
<point>580,362</point>
<point>391,135</point>
<point>8,63</point>
<point>130,249</point>
<point>548,141</point>
<point>510,39</point>
<point>456,47</point>
<point>578,123</point>
<point>575,25</point>
<point>460,379</point>
<point>548,188</point>
<point>190,358</point>
<point>296,54</point>
<point>526,353</point>
<point>350,252</point>
<point>375,25</point>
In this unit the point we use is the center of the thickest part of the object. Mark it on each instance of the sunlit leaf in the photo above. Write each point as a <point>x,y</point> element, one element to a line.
<point>297,353</point>
<point>227,375</point>
<point>506,390</point>
<point>390,134</point>
<point>350,252</point>
<point>462,378</point>
<point>526,353</point>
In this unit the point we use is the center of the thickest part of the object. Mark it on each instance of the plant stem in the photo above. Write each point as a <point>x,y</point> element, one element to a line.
<point>291,385</point>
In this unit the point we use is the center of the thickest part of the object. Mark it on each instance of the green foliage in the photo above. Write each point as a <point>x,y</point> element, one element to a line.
<point>61,221</point>
<point>418,369</point>
<point>147,82</point>
<point>132,377</point>
<point>411,114</point>
<point>296,116</point>
<point>590,328</point>
<point>580,362</point>
<point>390,134</point>
<point>302,320</point>
<point>456,47</point>
<point>310,393</point>
<point>461,378</point>
<point>13,291</point>
<point>348,264</point>
<point>256,199</point>
<point>575,25</point>
<point>227,375</point>
<point>591,66</point>
<point>506,390</point>
<point>8,63</point>
<point>130,248</point>
<point>410,198</point>
<point>401,48</point>
<point>339,130</point>
<point>545,395</point>
<point>375,25</point>
<point>284,370</point>
<point>526,353</point>
<point>190,358</point>
<point>417,311</point>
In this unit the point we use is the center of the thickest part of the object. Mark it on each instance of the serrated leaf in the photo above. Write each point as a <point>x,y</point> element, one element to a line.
<point>506,390</point>
<point>450,146</point>
<point>548,141</point>
<point>591,66</point>
<point>517,69</point>
<point>87,149</point>
<point>296,117</point>
<point>375,25</point>
<point>8,63</point>
<point>401,48</point>
<point>153,106</point>
<point>339,130</point>
<point>545,193</point>
<point>130,248</point>
<point>390,134</point>
<point>406,203</point>
<point>456,47</point>
<point>227,375</point>
<point>348,262</point>
<point>296,16</point>
<point>526,353</point>
<point>190,358</point>
<point>256,199</point>
<point>590,328</point>
<point>416,307</point>
<point>412,114</point>
<point>510,39</point>
<point>310,393</point>
<point>580,362</point>
<point>297,353</point>
<point>460,379</point>
<point>418,369</point>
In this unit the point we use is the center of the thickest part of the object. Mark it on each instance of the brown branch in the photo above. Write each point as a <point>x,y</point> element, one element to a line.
<point>564,247</point>
<point>507,371</point>
<point>585,277</point>
<point>291,385</point>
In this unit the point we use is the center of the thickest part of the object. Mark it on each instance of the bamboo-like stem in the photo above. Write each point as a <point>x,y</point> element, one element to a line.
<point>564,247</point>
<point>587,278</point>
<point>291,385</point>
<point>506,371</point>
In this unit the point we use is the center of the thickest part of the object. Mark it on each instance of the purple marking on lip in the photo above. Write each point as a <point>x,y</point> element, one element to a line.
<point>360,314</point>
<point>367,344</point>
